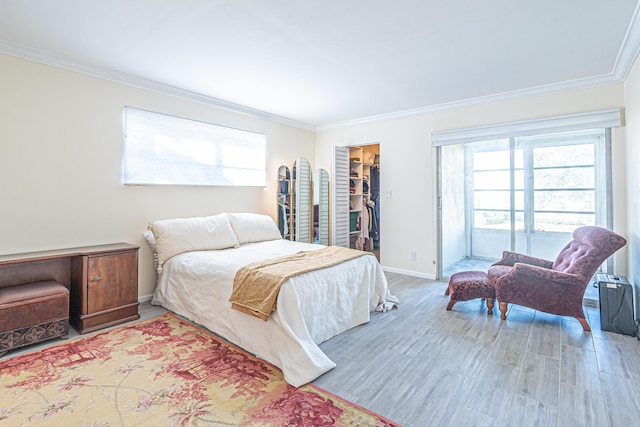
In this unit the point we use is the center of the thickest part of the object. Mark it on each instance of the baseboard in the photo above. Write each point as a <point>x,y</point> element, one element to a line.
<point>145,298</point>
<point>409,273</point>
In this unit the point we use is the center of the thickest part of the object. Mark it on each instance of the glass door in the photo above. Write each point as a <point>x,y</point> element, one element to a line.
<point>523,194</point>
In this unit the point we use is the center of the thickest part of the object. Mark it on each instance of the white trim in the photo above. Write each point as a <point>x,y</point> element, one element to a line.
<point>409,273</point>
<point>579,121</point>
<point>630,47</point>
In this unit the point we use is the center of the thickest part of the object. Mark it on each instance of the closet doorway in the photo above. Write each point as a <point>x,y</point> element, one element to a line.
<point>356,198</point>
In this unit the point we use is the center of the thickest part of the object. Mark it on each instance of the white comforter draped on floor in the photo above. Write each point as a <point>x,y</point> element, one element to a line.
<point>312,307</point>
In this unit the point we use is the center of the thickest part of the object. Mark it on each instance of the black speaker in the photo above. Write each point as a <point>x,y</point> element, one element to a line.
<point>616,304</point>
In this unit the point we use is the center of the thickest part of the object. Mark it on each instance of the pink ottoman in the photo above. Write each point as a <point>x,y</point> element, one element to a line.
<point>467,285</point>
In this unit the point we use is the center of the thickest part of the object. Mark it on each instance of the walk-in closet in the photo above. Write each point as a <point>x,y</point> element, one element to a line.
<point>357,197</point>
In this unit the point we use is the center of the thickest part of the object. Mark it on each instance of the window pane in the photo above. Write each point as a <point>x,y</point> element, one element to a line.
<point>567,155</point>
<point>497,200</point>
<point>565,201</point>
<point>497,220</point>
<point>497,180</point>
<point>492,200</point>
<point>583,177</point>
<point>491,160</point>
<point>166,150</point>
<point>518,158</point>
<point>518,179</point>
<point>491,180</point>
<point>562,222</point>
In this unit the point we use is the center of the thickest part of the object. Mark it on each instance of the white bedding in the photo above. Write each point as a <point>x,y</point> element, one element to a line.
<point>311,308</point>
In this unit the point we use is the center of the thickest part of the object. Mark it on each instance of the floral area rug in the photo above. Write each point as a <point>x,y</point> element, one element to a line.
<point>162,371</point>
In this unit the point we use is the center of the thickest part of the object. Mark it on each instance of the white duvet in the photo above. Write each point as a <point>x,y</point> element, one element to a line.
<point>311,308</point>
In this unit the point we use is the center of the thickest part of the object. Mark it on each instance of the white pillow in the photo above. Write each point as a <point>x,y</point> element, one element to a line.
<point>179,235</point>
<point>252,227</point>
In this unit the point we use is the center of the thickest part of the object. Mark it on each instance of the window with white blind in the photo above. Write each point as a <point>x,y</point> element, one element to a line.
<point>160,149</point>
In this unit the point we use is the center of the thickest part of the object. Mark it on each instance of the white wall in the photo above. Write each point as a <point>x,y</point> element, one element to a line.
<point>409,219</point>
<point>60,163</point>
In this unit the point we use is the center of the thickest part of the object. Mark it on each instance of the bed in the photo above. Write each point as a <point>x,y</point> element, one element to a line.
<point>312,307</point>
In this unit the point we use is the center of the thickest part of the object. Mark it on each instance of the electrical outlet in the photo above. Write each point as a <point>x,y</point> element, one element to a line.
<point>413,255</point>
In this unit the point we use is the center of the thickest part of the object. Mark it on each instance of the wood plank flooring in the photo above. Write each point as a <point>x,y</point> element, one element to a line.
<point>421,365</point>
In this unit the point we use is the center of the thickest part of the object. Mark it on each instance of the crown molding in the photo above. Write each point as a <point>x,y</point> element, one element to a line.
<point>39,56</point>
<point>550,89</point>
<point>630,47</point>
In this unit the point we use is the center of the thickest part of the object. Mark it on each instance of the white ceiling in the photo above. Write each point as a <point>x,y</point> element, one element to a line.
<point>318,64</point>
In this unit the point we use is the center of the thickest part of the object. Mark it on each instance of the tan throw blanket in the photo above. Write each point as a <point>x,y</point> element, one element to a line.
<point>256,285</point>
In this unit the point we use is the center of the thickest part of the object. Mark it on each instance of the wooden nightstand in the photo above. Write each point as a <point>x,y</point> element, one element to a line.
<point>104,286</point>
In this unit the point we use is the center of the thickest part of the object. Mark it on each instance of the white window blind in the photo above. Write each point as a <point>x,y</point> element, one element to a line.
<point>166,150</point>
<point>570,122</point>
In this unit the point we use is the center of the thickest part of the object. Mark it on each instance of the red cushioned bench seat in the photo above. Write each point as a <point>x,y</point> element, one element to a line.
<point>32,313</point>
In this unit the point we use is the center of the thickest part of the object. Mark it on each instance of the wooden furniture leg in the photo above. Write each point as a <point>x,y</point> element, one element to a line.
<point>584,324</point>
<point>503,310</point>
<point>450,305</point>
<point>490,306</point>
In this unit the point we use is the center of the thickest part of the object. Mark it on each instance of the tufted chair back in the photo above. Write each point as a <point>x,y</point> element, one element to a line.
<point>590,247</point>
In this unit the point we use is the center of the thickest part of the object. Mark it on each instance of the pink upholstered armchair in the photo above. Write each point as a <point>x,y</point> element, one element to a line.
<point>554,287</point>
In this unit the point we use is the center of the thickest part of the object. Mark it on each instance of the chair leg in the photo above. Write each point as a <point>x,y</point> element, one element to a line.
<point>503,309</point>
<point>446,291</point>
<point>490,306</point>
<point>584,324</point>
<point>450,305</point>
